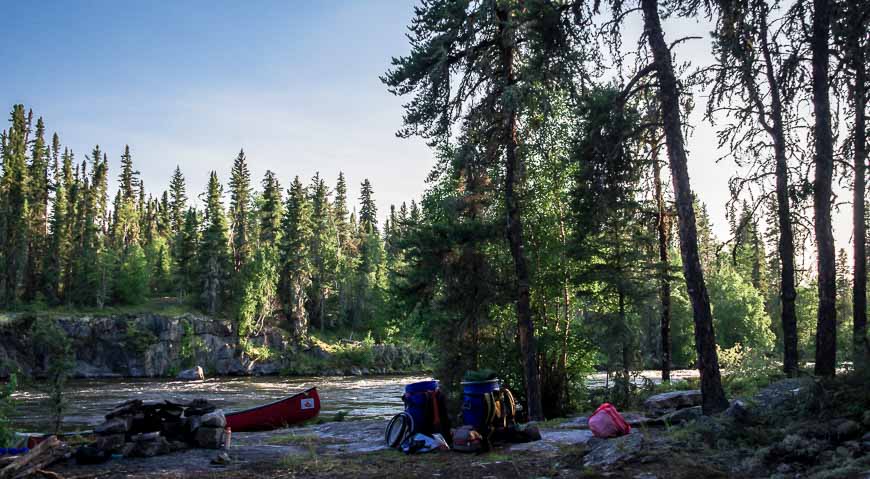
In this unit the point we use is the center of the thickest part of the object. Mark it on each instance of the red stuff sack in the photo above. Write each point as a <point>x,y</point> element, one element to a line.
<point>607,422</point>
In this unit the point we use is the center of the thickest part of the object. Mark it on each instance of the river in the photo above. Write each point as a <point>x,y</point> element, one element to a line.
<point>358,397</point>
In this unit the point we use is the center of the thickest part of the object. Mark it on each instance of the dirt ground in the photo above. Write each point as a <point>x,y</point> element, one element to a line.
<point>355,449</point>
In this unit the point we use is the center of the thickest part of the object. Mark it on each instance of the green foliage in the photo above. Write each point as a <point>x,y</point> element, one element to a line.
<point>746,369</point>
<point>133,279</point>
<point>138,339</point>
<point>259,297</point>
<point>191,345</point>
<point>738,311</point>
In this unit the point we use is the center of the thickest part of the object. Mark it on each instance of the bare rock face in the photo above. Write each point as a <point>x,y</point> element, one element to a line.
<point>664,402</point>
<point>193,374</point>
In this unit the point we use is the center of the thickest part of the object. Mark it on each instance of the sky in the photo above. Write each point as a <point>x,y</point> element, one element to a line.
<point>293,83</point>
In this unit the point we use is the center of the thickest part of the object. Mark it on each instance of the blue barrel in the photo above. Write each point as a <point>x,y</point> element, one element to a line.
<point>474,404</point>
<point>415,401</point>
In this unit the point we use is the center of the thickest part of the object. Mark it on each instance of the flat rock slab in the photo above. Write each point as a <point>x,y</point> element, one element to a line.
<point>552,440</point>
<point>607,453</point>
<point>672,400</point>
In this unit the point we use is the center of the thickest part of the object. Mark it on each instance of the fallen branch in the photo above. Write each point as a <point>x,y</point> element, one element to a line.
<point>32,464</point>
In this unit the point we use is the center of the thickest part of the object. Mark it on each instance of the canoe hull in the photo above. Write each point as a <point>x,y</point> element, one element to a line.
<point>279,414</point>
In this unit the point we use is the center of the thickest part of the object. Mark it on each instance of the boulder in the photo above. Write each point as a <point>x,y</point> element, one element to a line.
<point>794,448</point>
<point>116,425</point>
<point>209,437</point>
<point>847,429</point>
<point>198,407</point>
<point>85,455</point>
<point>214,419</point>
<point>786,393</point>
<point>660,403</point>
<point>607,453</point>
<point>111,442</point>
<point>684,415</point>
<point>194,374</point>
<point>150,446</point>
<point>738,411</point>
<point>126,409</point>
<point>193,423</point>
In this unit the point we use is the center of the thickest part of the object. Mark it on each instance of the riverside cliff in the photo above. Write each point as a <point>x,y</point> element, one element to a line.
<point>154,345</point>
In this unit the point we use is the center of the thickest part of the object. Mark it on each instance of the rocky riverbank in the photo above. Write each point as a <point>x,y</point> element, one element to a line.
<point>154,345</point>
<point>795,428</point>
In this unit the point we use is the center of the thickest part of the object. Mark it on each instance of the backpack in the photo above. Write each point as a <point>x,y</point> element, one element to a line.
<point>607,422</point>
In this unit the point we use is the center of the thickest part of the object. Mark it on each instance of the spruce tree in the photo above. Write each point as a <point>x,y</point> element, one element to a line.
<point>186,270</point>
<point>295,268</point>
<point>270,211</point>
<point>39,190</point>
<point>57,254</point>
<point>340,212</point>
<point>240,200</point>
<point>324,252</point>
<point>15,208</point>
<point>215,262</point>
<point>126,221</point>
<point>368,212</point>
<point>177,201</point>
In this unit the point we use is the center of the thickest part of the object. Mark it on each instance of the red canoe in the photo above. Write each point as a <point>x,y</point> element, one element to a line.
<point>292,410</point>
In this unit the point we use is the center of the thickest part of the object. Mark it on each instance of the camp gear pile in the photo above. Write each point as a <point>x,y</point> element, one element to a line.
<point>488,413</point>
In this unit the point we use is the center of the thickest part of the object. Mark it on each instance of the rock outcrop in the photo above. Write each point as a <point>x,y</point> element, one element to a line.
<point>155,345</point>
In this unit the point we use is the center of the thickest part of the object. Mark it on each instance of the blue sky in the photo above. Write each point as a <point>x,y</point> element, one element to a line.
<point>293,83</point>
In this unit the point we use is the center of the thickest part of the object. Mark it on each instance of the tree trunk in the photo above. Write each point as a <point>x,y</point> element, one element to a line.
<point>705,341</point>
<point>859,294</point>
<point>525,326</point>
<point>788,293</point>
<point>826,325</point>
<point>664,262</point>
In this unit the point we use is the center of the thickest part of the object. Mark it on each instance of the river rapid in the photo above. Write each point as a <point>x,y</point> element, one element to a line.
<point>358,397</point>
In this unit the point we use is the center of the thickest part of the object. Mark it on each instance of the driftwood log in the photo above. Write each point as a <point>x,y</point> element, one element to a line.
<point>31,464</point>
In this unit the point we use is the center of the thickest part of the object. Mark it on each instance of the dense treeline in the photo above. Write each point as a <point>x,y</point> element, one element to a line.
<point>549,208</point>
<point>268,254</point>
<point>549,239</point>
